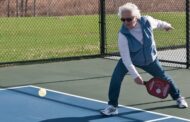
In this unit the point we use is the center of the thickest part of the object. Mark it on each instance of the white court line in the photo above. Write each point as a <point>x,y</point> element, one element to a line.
<point>1,89</point>
<point>90,99</point>
<point>154,120</point>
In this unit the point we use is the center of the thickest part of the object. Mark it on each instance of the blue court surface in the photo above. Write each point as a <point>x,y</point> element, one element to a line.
<point>22,104</point>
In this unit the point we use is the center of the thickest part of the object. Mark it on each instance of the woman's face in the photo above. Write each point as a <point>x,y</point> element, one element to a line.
<point>128,19</point>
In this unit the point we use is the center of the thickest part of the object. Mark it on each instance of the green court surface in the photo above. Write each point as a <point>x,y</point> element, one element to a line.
<point>90,78</point>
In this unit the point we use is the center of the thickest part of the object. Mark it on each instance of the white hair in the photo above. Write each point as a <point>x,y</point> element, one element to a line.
<point>129,7</point>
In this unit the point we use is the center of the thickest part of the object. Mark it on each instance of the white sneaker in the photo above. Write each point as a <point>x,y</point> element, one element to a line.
<point>109,110</point>
<point>181,103</point>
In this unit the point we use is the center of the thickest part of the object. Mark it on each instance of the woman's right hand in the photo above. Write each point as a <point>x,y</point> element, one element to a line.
<point>139,81</point>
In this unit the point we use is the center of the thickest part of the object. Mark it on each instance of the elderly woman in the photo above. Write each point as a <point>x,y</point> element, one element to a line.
<point>137,49</point>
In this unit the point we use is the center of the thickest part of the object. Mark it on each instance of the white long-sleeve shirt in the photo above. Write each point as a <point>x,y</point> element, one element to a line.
<point>137,33</point>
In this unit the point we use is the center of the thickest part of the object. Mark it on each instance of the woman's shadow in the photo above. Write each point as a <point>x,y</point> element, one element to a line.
<point>75,119</point>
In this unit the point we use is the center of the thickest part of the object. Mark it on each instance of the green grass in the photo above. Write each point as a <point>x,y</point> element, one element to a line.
<point>43,37</point>
<point>53,37</point>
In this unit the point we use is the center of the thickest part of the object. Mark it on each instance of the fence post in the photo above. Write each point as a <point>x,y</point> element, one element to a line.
<point>102,27</point>
<point>187,33</point>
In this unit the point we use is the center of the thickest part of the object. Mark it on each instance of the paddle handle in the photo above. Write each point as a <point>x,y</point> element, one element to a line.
<point>145,82</point>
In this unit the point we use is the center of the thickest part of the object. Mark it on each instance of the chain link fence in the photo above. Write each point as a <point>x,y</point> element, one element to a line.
<point>60,29</point>
<point>54,29</point>
<point>171,45</point>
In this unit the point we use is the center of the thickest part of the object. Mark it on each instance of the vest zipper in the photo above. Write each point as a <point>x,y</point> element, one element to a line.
<point>144,54</point>
<point>143,50</point>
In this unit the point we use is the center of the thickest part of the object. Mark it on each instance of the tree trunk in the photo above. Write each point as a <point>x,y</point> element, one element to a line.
<point>26,8</point>
<point>8,8</point>
<point>21,7</point>
<point>34,8</point>
<point>49,8</point>
<point>17,4</point>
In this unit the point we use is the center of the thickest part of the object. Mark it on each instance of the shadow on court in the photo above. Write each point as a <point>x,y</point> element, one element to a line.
<point>74,119</point>
<point>161,107</point>
<point>87,119</point>
<point>98,117</point>
<point>154,102</point>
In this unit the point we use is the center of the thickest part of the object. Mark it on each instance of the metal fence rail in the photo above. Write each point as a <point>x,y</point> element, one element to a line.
<point>53,30</point>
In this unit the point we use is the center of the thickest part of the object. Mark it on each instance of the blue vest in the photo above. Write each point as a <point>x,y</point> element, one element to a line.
<point>141,54</point>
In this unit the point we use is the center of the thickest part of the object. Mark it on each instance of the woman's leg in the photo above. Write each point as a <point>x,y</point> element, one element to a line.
<point>115,84</point>
<point>156,70</point>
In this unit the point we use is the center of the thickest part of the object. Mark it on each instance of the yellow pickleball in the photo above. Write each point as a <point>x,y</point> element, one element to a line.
<point>42,92</point>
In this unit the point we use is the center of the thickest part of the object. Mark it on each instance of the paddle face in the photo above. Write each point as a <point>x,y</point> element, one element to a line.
<point>158,87</point>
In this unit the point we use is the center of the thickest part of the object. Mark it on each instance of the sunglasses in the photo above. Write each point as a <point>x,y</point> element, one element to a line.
<point>127,19</point>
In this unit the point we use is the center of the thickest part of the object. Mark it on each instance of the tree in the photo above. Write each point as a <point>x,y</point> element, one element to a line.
<point>26,7</point>
<point>34,8</point>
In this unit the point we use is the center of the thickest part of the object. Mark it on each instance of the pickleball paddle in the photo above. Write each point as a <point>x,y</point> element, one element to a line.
<point>157,87</point>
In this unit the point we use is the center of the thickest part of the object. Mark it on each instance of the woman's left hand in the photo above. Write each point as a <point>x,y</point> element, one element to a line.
<point>169,28</point>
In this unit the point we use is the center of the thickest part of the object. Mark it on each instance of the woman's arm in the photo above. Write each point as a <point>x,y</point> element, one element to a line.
<point>155,23</point>
<point>125,55</point>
